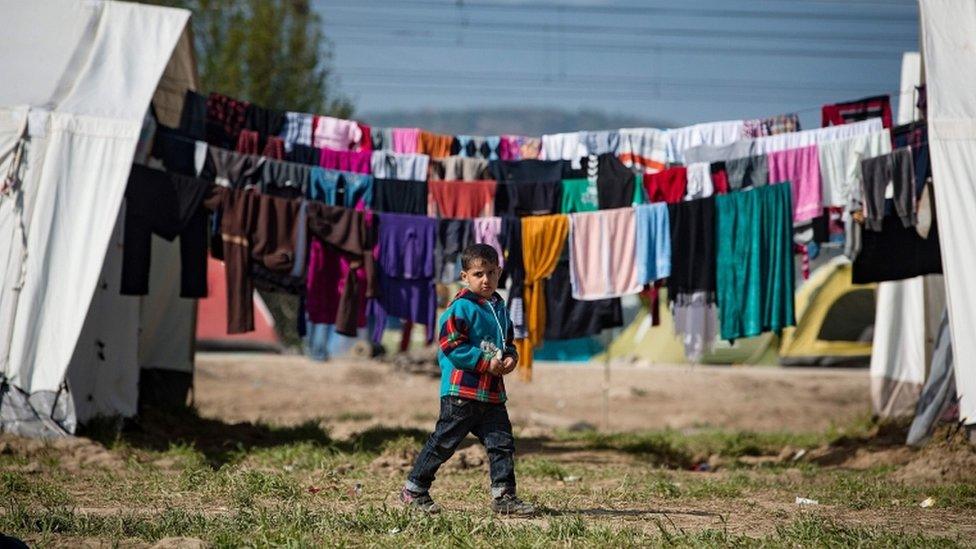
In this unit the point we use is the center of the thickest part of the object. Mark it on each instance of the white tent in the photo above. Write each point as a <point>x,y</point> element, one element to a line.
<point>908,311</point>
<point>78,78</point>
<point>949,52</point>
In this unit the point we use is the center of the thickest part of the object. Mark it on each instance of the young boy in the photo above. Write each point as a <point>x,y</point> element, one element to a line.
<point>476,350</point>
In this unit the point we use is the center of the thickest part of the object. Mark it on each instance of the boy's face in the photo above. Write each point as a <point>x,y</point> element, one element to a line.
<point>481,277</point>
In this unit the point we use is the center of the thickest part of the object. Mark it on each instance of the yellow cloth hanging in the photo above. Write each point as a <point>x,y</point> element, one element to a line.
<point>543,239</point>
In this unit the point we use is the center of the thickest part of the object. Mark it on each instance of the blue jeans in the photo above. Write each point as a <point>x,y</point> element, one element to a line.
<point>488,422</point>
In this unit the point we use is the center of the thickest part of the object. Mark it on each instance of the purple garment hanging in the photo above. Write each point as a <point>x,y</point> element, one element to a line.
<point>405,272</point>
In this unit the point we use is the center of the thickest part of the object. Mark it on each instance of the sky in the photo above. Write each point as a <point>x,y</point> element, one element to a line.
<point>678,62</point>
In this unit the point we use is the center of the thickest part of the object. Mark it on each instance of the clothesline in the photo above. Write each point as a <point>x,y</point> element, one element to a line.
<point>616,188</point>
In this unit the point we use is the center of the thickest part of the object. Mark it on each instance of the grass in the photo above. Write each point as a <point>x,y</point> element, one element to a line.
<point>261,485</point>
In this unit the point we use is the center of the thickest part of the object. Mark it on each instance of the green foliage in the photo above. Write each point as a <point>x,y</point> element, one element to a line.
<point>271,52</point>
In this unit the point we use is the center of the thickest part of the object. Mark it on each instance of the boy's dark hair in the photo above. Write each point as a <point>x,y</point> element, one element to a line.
<point>474,252</point>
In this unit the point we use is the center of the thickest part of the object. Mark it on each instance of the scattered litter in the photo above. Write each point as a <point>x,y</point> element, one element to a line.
<point>702,467</point>
<point>926,503</point>
<point>571,478</point>
<point>394,531</point>
<point>799,454</point>
<point>314,489</point>
<point>356,490</point>
<point>806,501</point>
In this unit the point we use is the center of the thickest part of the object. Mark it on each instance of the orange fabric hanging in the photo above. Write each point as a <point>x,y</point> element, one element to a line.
<point>434,145</point>
<point>543,240</point>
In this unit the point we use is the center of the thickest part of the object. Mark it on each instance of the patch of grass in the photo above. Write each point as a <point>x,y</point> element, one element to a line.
<point>19,489</point>
<point>541,468</point>
<point>298,525</point>
<point>354,416</point>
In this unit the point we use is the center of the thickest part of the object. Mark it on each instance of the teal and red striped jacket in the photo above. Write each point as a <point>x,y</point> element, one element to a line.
<point>472,331</point>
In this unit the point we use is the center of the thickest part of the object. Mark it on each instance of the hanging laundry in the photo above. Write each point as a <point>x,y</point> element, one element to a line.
<point>653,243</point>
<point>712,133</point>
<point>178,151</point>
<point>382,138</point>
<point>603,254</point>
<point>718,153</point>
<point>568,318</point>
<point>837,114</point>
<point>749,171</point>
<point>563,146</point>
<point>231,169</point>
<point>254,228</point>
<point>801,167</point>
<point>267,122</point>
<point>225,119</point>
<point>193,119</point>
<point>527,199</point>
<point>692,226</point>
<point>644,150</point>
<point>896,252</point>
<point>347,161</point>
<point>529,171</point>
<point>406,259</point>
<point>699,183</point>
<point>600,142</point>
<point>403,166</point>
<point>519,147</point>
<point>754,262</point>
<point>473,147</point>
<point>169,205</point>
<point>896,170</point>
<point>667,185</point>
<point>274,147</point>
<point>459,168</point>
<point>366,142</point>
<point>434,145</point>
<point>781,123</point>
<point>807,138</point>
<point>615,182</point>
<point>543,240</point>
<point>461,199</point>
<point>719,177</point>
<point>396,196</point>
<point>347,232</point>
<point>487,230</point>
<point>297,129</point>
<point>329,272</point>
<point>579,195</point>
<point>405,140</point>
<point>915,135</point>
<point>696,324</point>
<point>285,179</point>
<point>453,236</point>
<point>248,142</point>
<point>304,154</point>
<point>840,164</point>
<point>352,190</point>
<point>335,133</point>
<point>492,142</point>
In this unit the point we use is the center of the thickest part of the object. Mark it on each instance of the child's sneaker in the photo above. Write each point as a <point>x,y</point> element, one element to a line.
<point>508,504</point>
<point>421,502</point>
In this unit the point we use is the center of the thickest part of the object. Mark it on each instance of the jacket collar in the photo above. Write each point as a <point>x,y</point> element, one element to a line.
<point>465,293</point>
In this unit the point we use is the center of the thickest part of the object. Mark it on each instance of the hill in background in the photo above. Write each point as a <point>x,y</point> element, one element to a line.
<point>508,120</point>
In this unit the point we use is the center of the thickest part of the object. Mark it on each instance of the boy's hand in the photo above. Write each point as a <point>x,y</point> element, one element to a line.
<point>508,365</point>
<point>495,367</point>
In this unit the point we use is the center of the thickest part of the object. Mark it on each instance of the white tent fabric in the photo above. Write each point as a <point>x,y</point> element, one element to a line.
<point>84,72</point>
<point>908,311</point>
<point>949,50</point>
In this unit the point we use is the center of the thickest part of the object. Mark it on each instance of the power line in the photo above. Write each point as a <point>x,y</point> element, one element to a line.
<point>604,80</point>
<point>402,41</point>
<point>513,27</point>
<point>722,13</point>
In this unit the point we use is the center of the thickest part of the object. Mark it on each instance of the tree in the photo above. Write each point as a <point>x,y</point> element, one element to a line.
<point>270,52</point>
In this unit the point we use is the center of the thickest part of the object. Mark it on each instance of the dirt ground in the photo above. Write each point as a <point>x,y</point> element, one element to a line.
<point>282,450</point>
<point>361,393</point>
